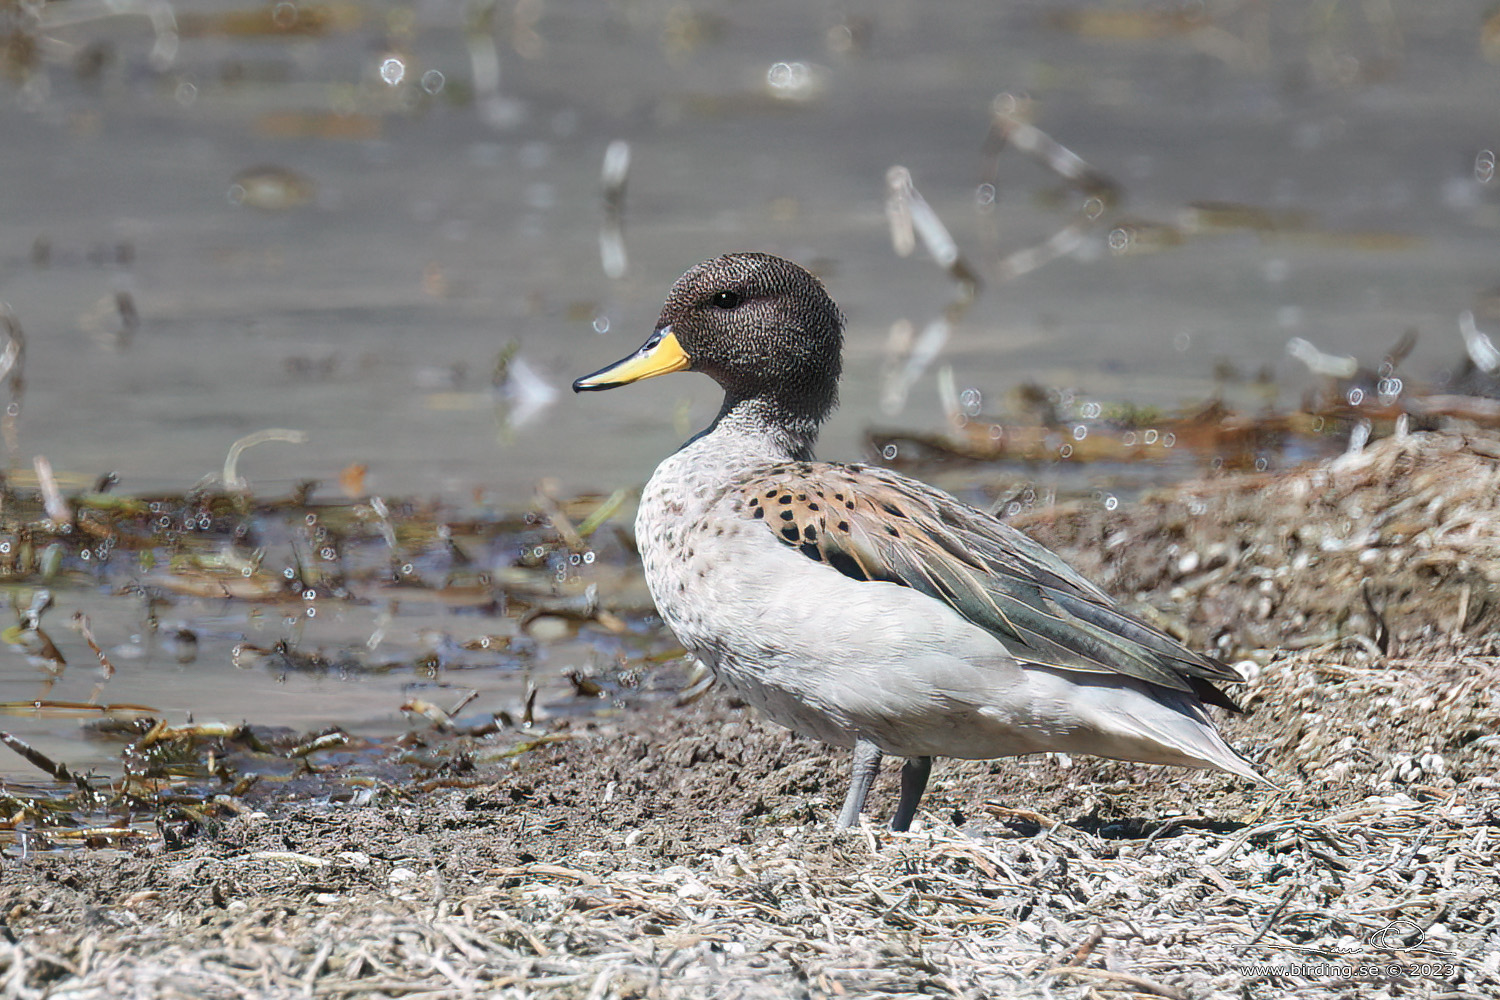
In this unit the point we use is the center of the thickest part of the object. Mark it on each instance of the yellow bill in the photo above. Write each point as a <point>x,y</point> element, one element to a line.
<point>657,356</point>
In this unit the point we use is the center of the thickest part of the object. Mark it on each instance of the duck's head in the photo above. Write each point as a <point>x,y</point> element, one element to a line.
<point>762,327</point>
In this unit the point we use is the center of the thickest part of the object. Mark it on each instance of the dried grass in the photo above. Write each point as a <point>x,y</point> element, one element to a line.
<point>939,913</point>
<point>687,853</point>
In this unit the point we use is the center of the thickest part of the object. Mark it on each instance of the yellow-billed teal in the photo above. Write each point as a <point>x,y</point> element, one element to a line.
<point>863,608</point>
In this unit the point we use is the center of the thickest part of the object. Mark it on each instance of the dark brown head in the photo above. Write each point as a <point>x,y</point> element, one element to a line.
<point>762,327</point>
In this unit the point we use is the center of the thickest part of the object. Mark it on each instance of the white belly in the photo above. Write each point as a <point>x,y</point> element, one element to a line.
<point>838,659</point>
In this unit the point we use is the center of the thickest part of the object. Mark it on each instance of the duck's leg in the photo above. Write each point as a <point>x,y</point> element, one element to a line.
<point>862,776</point>
<point>913,783</point>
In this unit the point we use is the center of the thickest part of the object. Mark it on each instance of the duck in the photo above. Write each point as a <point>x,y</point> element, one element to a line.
<point>864,608</point>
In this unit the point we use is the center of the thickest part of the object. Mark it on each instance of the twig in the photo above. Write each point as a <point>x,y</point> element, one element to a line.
<point>1124,978</point>
<point>231,478</point>
<point>81,623</point>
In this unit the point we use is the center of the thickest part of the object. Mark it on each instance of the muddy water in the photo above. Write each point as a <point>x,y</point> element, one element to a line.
<point>416,226</point>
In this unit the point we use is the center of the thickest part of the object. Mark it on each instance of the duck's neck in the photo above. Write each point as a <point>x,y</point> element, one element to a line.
<point>761,428</point>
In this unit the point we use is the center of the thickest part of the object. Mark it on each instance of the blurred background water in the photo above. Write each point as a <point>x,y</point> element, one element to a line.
<point>380,224</point>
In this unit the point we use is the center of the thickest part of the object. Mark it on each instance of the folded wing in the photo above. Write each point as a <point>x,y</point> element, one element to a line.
<point>875,525</point>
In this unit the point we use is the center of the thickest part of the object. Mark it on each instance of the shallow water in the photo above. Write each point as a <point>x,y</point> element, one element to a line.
<point>439,228</point>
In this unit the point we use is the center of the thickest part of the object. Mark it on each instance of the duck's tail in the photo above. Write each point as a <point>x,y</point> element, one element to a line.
<point>1189,733</point>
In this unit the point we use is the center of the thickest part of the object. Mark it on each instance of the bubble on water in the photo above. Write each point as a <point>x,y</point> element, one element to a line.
<point>1168,439</point>
<point>328,553</point>
<point>1013,508</point>
<point>186,93</point>
<point>1484,166</point>
<point>1066,451</point>
<point>1119,239</point>
<point>984,195</point>
<point>788,79</point>
<point>1128,439</point>
<point>996,432</point>
<point>538,552</point>
<point>433,81</point>
<point>1093,208</point>
<point>888,452</point>
<point>1150,436</point>
<point>575,559</point>
<point>284,15</point>
<point>84,555</point>
<point>1262,464</point>
<point>972,401</point>
<point>1080,432</point>
<point>407,569</point>
<point>289,573</point>
<point>588,558</point>
<point>1182,341</point>
<point>392,70</point>
<point>1390,387</point>
<point>601,324</point>
<point>311,612</point>
<point>246,572</point>
<point>309,594</point>
<point>1111,502</point>
<point>1090,411</point>
<point>1356,396</point>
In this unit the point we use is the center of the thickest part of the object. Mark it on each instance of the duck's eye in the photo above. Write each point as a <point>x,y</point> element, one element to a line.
<point>725,300</point>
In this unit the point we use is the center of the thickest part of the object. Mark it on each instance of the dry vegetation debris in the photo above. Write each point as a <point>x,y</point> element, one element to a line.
<point>686,851</point>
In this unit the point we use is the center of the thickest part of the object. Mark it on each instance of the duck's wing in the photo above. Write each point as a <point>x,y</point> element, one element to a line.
<point>872,524</point>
